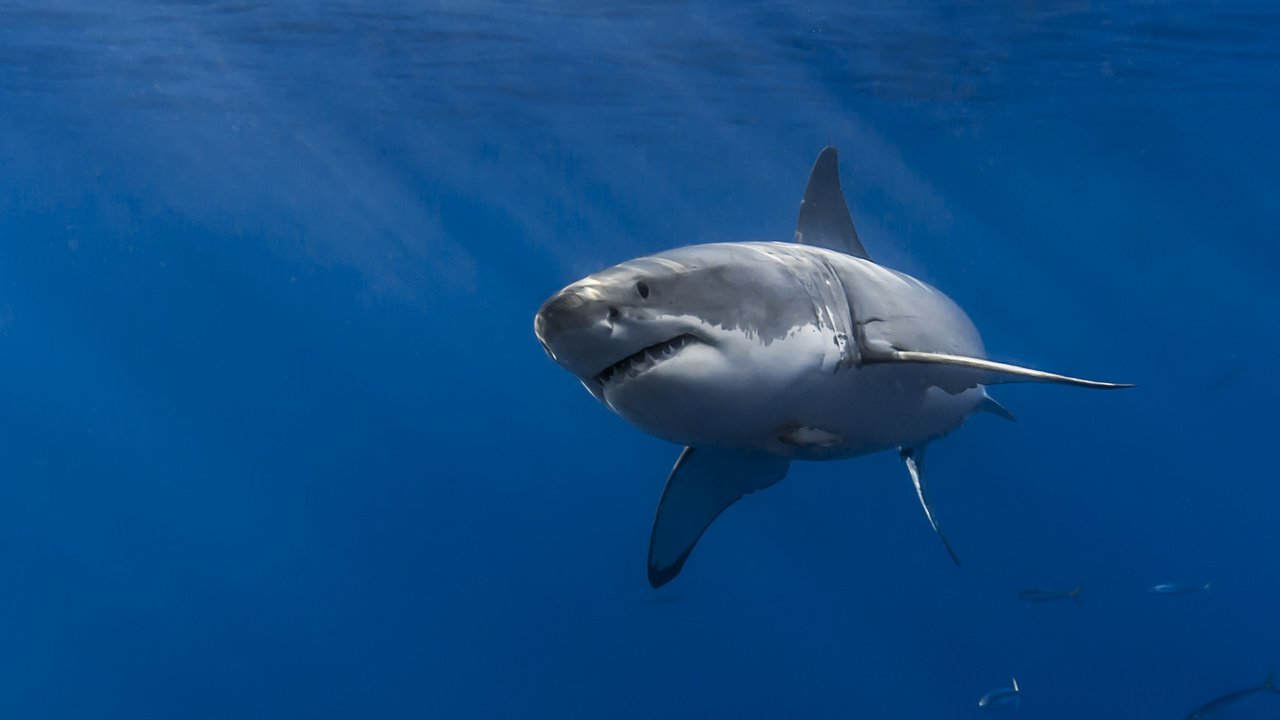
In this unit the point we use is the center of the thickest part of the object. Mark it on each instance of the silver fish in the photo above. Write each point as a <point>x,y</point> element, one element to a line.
<point>1002,697</point>
<point>1178,588</point>
<point>1217,706</point>
<point>1044,595</point>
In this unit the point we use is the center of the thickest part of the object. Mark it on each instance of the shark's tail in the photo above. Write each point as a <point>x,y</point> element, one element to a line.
<point>1016,689</point>
<point>1206,585</point>
<point>1075,594</point>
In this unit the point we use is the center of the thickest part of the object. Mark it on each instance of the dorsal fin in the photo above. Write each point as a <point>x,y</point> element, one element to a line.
<point>824,216</point>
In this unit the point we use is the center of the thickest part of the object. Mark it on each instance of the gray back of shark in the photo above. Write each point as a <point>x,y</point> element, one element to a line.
<point>753,355</point>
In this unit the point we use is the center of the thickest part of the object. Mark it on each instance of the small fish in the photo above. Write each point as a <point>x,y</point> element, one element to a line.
<point>1003,697</point>
<point>1223,380</point>
<point>1218,705</point>
<point>1178,588</point>
<point>1044,595</point>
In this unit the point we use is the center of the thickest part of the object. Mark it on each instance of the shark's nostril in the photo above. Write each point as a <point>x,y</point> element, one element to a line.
<point>569,301</point>
<point>613,313</point>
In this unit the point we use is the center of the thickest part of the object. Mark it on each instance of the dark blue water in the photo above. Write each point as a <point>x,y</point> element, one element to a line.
<point>278,442</point>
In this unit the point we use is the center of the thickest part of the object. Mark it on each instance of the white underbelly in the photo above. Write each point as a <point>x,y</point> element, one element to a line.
<point>865,410</point>
<point>792,397</point>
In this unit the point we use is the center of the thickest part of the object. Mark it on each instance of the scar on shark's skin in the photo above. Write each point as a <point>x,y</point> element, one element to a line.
<point>754,355</point>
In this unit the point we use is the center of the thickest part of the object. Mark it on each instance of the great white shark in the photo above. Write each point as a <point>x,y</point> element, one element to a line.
<point>755,354</point>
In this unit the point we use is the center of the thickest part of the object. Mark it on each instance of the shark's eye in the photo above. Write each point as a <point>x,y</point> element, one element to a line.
<point>643,288</point>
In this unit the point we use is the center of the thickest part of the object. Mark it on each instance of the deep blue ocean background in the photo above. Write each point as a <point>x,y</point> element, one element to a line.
<point>278,440</point>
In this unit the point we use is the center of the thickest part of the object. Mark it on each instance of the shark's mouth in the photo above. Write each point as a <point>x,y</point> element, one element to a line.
<point>644,360</point>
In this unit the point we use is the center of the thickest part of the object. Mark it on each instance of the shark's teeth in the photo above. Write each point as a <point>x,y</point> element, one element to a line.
<point>645,359</point>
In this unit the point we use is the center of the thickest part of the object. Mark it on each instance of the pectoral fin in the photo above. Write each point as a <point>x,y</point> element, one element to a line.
<point>914,458</point>
<point>970,371</point>
<point>702,484</point>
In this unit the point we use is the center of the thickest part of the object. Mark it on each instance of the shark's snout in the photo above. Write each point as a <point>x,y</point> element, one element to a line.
<point>566,312</point>
<point>571,325</point>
